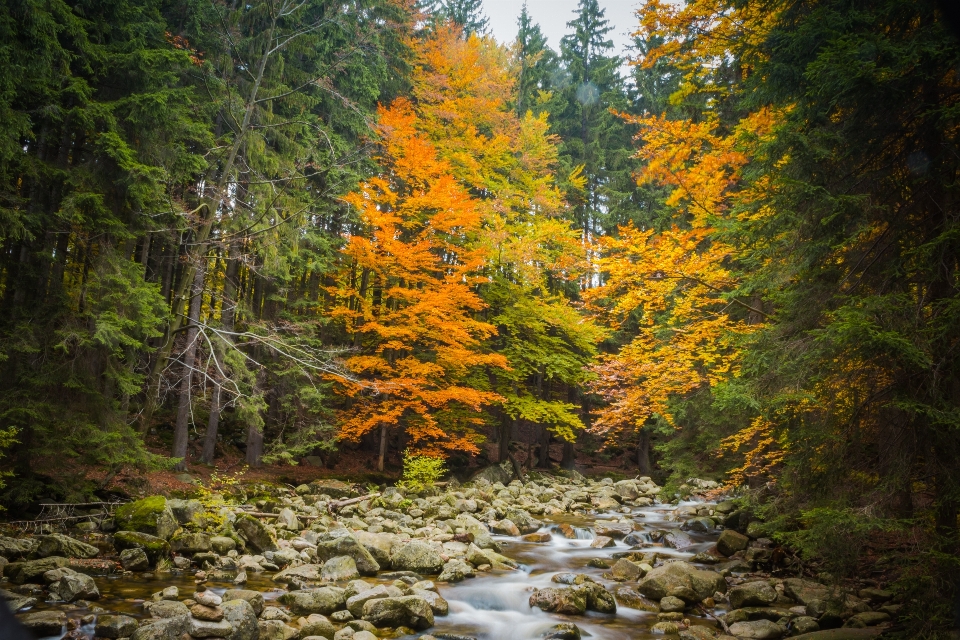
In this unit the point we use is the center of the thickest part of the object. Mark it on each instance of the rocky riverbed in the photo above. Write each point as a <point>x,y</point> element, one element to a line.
<point>552,557</point>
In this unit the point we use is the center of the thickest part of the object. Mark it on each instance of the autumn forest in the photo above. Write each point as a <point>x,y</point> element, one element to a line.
<point>302,233</point>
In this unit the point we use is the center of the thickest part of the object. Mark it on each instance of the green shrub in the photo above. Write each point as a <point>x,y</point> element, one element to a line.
<point>421,472</point>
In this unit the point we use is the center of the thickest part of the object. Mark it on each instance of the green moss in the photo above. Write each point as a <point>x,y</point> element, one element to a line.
<point>154,547</point>
<point>150,515</point>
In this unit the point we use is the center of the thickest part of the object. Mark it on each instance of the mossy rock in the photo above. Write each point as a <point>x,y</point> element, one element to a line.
<point>153,546</point>
<point>151,515</point>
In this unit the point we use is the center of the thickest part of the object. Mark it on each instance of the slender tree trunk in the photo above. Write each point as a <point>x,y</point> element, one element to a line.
<point>254,446</point>
<point>228,308</point>
<point>545,437</point>
<point>506,433</point>
<point>181,430</point>
<point>383,447</point>
<point>643,452</point>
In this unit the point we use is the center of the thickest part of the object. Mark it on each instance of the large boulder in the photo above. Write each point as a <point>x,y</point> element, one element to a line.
<point>256,534</point>
<point>191,543</point>
<point>682,580</point>
<point>324,600</point>
<point>57,544</point>
<point>522,518</point>
<point>16,548</point>
<point>43,623</point>
<point>417,556</point>
<point>151,515</point>
<point>32,570</point>
<point>334,488</point>
<point>406,611</point>
<point>502,473</point>
<point>186,511</point>
<point>356,602</point>
<point>752,594</point>
<point>730,542</point>
<point>347,545</point>
<point>378,545</point>
<point>208,628</point>
<point>67,585</point>
<point>242,617</point>
<point>276,630</point>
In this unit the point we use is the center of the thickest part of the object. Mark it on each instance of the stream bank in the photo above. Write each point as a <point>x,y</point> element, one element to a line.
<point>554,557</point>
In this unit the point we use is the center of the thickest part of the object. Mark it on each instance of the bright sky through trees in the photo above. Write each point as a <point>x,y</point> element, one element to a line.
<point>553,15</point>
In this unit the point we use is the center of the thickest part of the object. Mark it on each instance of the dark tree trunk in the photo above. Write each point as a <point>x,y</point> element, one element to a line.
<point>643,452</point>
<point>181,430</point>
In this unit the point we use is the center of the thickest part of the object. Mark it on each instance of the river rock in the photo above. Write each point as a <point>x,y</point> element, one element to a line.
<point>630,597</point>
<point>625,570</point>
<point>730,542</point>
<point>627,489</point>
<point>163,609</point>
<point>253,598</point>
<point>276,630</point>
<point>204,612</point>
<point>305,572</point>
<point>324,600</point>
<point>671,604</point>
<point>347,545</point>
<point>191,543</point>
<point>564,600</point>
<point>502,473</point>
<point>154,546</point>
<point>287,519</point>
<point>339,569</point>
<point>57,544</point>
<point>16,548</point>
<point>697,632</point>
<point>256,534</point>
<point>355,603</point>
<point>438,605</point>
<point>208,629</point>
<point>757,630</point>
<point>151,516</point>
<point>613,529</point>
<point>378,545</point>
<point>417,556</point>
<point>804,624</point>
<point>316,625</point>
<point>334,488</point>
<point>134,559</point>
<point>207,598</point>
<point>674,577</point>
<point>867,619</point>
<point>242,617</point>
<point>68,586</point>
<point>163,629</point>
<point>524,521</point>
<point>456,571</point>
<point>32,570</point>
<point>602,542</point>
<point>43,623</point>
<point>407,611</point>
<point>186,511</point>
<point>114,626</point>
<point>222,545</point>
<point>752,594</point>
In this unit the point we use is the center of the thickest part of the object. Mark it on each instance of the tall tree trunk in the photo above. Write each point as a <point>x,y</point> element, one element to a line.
<point>545,437</point>
<point>254,445</point>
<point>181,430</point>
<point>228,308</point>
<point>506,433</point>
<point>383,447</point>
<point>643,452</point>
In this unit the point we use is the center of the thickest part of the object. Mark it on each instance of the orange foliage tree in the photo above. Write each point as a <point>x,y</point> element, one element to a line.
<point>412,311</point>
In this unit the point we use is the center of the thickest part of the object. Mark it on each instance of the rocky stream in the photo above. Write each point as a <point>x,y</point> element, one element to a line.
<point>553,557</point>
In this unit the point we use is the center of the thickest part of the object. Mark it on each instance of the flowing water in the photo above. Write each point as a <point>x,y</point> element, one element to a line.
<point>492,606</point>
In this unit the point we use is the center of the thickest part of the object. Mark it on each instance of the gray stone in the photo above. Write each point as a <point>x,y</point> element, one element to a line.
<point>162,629</point>
<point>16,548</point>
<point>324,600</point>
<point>32,570</point>
<point>378,545</point>
<point>222,544</point>
<point>502,472</point>
<point>255,533</point>
<point>151,515</point>
<point>355,603</point>
<point>287,519</point>
<point>867,619</point>
<point>209,629</point>
<point>417,556</point>
<point>276,630</point>
<point>71,586</point>
<point>166,609</point>
<point>697,632</point>
<point>317,625</point>
<point>242,618</point>
<point>43,623</point>
<point>154,546</point>
<point>730,542</point>
<point>804,624</point>
<point>348,546</point>
<point>407,611</point>
<point>625,570</point>
<point>565,600</point>
<point>57,544</point>
<point>672,604</point>
<point>675,577</point>
<point>134,559</point>
<point>339,569</point>
<point>305,572</point>
<point>253,598</point>
<point>752,594</point>
<point>191,543</point>
<point>757,630</point>
<point>438,605</point>
<point>114,626</point>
